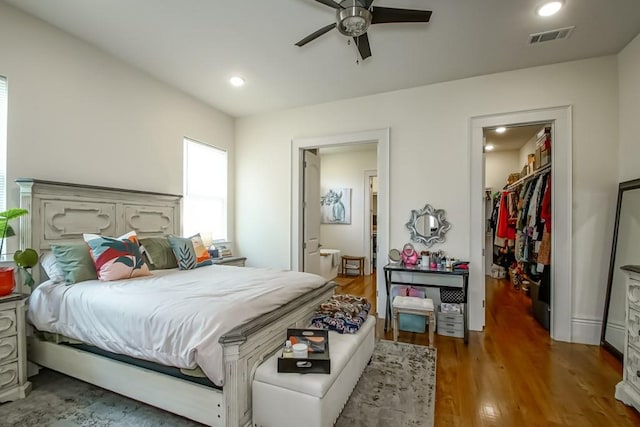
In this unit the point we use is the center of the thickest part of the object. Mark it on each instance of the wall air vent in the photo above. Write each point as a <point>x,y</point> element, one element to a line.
<point>548,36</point>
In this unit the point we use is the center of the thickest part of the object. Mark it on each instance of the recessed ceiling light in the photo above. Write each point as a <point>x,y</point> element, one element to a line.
<point>489,147</point>
<point>550,8</point>
<point>236,81</point>
<point>501,129</point>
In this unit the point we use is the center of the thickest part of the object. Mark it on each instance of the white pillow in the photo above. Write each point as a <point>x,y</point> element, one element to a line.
<point>51,267</point>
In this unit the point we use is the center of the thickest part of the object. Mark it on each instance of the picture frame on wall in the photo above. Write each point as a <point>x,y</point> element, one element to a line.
<point>335,205</point>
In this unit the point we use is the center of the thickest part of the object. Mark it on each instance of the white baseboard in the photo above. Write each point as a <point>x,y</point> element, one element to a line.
<point>585,330</point>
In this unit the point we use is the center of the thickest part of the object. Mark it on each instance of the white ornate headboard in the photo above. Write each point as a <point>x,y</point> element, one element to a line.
<point>62,212</point>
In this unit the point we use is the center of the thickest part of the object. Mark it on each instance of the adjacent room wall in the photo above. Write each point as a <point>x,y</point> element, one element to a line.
<point>498,166</point>
<point>629,83</point>
<point>528,148</point>
<point>77,114</point>
<point>342,170</point>
<point>430,160</point>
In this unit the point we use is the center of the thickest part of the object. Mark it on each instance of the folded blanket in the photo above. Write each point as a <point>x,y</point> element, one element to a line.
<point>342,313</point>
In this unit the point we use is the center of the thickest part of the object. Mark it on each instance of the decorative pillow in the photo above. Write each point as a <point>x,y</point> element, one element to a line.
<point>75,262</point>
<point>51,267</point>
<point>117,259</point>
<point>190,252</point>
<point>158,253</point>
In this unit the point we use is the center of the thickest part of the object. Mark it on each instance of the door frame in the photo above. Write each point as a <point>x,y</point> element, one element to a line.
<point>368,194</point>
<point>561,203</point>
<point>298,145</point>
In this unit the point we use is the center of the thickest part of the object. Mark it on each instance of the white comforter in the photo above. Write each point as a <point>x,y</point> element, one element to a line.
<point>172,317</point>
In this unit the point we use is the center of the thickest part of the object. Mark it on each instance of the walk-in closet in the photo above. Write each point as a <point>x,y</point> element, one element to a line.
<point>518,213</point>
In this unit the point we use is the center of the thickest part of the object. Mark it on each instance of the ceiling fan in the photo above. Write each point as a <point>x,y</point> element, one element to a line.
<point>353,21</point>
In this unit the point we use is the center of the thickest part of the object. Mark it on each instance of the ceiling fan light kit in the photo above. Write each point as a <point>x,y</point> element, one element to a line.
<point>354,21</point>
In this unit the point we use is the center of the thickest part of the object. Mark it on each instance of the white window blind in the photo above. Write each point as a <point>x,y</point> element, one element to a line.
<point>205,191</point>
<point>3,143</point>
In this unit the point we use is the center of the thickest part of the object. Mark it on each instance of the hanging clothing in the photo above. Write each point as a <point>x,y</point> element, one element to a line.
<point>544,255</point>
<point>545,212</point>
<point>506,231</point>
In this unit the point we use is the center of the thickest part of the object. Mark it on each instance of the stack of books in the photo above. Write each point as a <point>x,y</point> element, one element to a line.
<point>224,248</point>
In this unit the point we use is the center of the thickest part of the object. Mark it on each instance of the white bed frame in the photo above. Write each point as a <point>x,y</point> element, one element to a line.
<point>60,212</point>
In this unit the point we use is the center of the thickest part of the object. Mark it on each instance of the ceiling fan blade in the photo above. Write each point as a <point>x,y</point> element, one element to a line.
<point>363,45</point>
<point>367,3</point>
<point>383,15</point>
<point>330,3</point>
<point>316,34</point>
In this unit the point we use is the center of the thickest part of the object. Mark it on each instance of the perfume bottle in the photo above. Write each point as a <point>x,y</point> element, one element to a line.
<point>287,352</point>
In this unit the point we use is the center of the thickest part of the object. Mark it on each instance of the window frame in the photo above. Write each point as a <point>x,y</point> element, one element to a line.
<point>187,141</point>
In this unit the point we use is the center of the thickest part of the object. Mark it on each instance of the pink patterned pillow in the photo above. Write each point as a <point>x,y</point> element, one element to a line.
<point>117,259</point>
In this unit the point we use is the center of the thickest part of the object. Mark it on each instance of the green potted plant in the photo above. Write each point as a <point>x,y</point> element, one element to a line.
<point>7,281</point>
<point>25,260</point>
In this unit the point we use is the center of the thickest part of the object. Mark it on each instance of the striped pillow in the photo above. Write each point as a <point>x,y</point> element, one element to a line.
<point>117,258</point>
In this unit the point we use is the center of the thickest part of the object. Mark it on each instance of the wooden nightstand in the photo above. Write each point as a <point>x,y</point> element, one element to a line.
<point>13,348</point>
<point>236,261</point>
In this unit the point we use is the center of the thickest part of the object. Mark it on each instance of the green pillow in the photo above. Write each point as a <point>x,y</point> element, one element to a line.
<point>158,253</point>
<point>75,262</point>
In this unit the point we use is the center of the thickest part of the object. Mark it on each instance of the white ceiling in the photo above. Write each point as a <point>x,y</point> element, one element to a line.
<point>196,45</point>
<point>514,138</point>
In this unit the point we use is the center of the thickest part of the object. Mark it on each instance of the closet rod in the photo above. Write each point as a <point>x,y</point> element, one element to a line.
<point>528,177</point>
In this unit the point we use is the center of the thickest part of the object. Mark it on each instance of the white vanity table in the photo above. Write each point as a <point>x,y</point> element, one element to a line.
<point>628,390</point>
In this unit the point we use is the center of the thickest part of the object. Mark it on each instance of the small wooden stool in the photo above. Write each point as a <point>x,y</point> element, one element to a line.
<point>354,259</point>
<point>414,305</point>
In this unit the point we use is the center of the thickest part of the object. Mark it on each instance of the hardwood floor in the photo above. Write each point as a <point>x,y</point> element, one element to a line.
<point>513,374</point>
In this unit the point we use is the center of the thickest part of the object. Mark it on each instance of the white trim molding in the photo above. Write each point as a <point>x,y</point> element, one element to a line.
<point>561,194</point>
<point>298,145</point>
<point>586,330</point>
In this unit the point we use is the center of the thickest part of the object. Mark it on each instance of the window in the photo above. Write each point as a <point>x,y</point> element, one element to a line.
<point>3,143</point>
<point>205,190</point>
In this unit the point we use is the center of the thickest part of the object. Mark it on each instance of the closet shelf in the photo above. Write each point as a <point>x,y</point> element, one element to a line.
<point>528,177</point>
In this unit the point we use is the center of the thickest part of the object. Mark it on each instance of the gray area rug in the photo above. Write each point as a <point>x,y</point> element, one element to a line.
<point>396,389</point>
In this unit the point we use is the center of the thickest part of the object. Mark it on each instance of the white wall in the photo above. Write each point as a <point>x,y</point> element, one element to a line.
<point>629,83</point>
<point>78,115</point>
<point>526,149</point>
<point>430,159</point>
<point>342,170</point>
<point>498,166</point>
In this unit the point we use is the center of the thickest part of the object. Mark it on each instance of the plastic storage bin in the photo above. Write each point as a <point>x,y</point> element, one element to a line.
<point>410,322</point>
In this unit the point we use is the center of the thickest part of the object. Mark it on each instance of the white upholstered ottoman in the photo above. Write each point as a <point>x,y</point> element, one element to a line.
<point>312,400</point>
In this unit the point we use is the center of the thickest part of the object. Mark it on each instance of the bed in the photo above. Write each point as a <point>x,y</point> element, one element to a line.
<point>60,212</point>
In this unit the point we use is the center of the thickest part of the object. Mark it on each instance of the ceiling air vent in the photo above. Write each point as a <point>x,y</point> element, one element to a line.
<point>547,36</point>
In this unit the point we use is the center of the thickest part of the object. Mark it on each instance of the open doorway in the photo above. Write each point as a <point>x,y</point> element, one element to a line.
<point>561,323</point>
<point>518,217</point>
<point>345,209</point>
<point>371,180</point>
<point>378,137</point>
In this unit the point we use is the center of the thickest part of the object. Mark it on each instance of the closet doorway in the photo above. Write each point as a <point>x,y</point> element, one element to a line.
<point>517,198</point>
<point>562,324</point>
